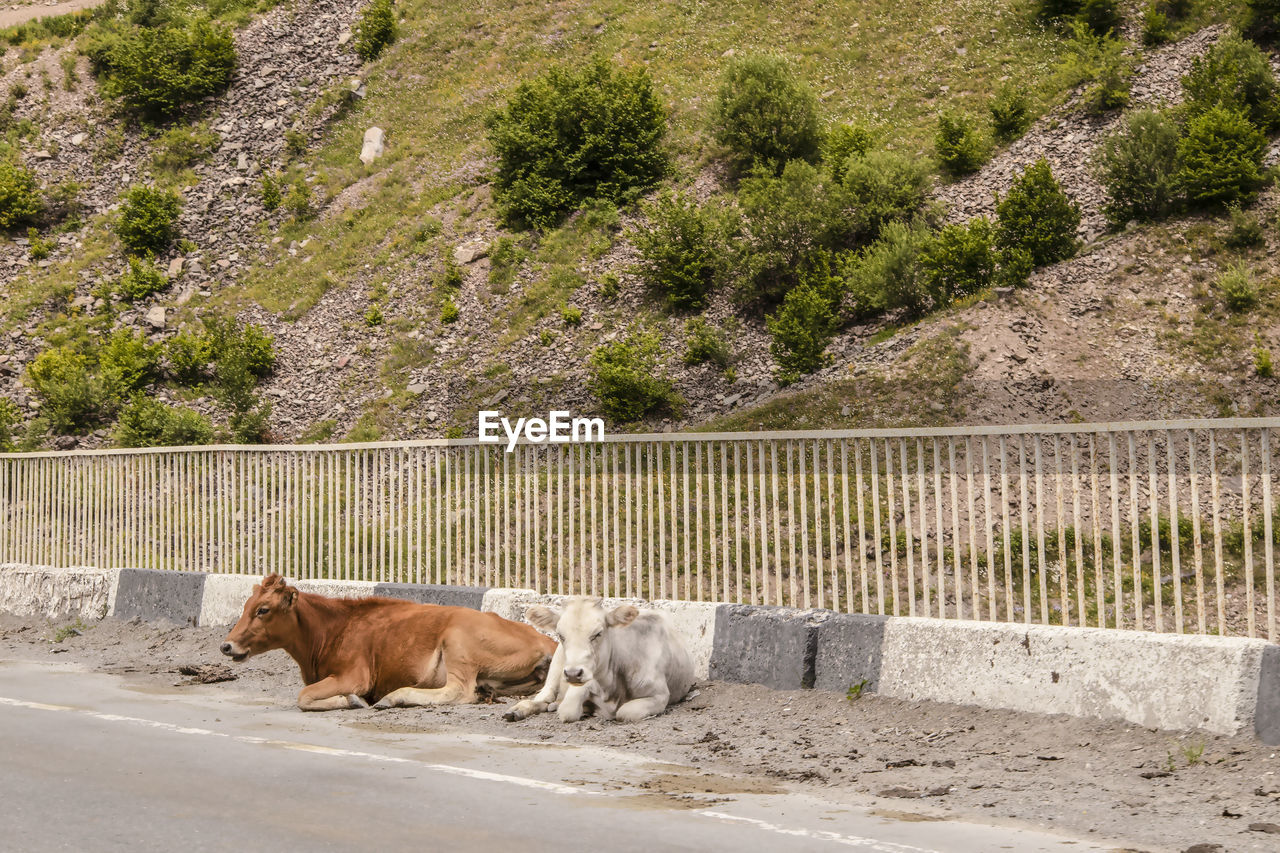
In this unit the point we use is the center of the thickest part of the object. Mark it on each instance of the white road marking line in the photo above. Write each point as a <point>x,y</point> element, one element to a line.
<point>818,835</point>
<point>317,749</point>
<point>484,775</point>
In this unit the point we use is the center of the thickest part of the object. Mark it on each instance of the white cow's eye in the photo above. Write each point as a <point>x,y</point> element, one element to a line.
<point>597,636</point>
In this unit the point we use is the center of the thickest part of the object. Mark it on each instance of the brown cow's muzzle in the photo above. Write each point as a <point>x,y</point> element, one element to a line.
<point>234,652</point>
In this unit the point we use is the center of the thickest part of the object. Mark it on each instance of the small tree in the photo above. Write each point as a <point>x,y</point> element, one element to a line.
<point>889,275</point>
<point>74,398</point>
<point>681,254</point>
<point>801,330</point>
<point>1138,165</point>
<point>1010,113</point>
<point>126,363</point>
<point>375,30</point>
<point>764,115</point>
<point>1262,20</point>
<point>1101,16</point>
<point>573,135</point>
<point>1236,75</point>
<point>142,279</point>
<point>626,379</point>
<point>960,259</point>
<point>844,141</point>
<point>884,187</point>
<point>147,422</point>
<point>19,194</point>
<point>1037,216</point>
<point>961,149</point>
<point>157,70</point>
<point>1221,158</point>
<point>148,220</point>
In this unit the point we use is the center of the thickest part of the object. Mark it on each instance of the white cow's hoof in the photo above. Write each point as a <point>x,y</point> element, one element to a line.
<point>356,701</point>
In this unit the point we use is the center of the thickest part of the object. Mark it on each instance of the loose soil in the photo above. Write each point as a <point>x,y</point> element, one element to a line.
<point>1160,790</point>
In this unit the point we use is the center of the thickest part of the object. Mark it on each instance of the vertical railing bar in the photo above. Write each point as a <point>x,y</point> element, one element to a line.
<point>1268,548</point>
<point>1175,531</point>
<point>1139,596</point>
<point>1247,528</point>
<point>1153,492</point>
<point>1197,536</point>
<point>907,522</point>
<point>1214,486</point>
<point>893,525</point>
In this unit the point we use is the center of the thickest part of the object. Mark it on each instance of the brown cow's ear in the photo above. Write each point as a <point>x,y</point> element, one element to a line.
<point>272,580</point>
<point>545,618</point>
<point>290,598</point>
<point>621,617</point>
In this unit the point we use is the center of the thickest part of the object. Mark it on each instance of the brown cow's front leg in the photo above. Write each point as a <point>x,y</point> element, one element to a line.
<point>330,694</point>
<point>459,689</point>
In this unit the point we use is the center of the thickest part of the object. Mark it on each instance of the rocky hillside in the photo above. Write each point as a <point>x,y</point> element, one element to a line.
<point>350,286</point>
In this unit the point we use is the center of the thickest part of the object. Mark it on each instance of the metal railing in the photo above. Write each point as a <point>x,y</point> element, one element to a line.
<point>1164,526</point>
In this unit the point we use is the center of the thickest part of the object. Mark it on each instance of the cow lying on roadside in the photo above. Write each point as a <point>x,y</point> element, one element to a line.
<point>356,651</point>
<point>627,664</point>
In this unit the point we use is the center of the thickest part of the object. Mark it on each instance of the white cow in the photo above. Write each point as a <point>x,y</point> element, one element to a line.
<point>629,665</point>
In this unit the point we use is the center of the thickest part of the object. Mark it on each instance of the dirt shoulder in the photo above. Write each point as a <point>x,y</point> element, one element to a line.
<point>1162,790</point>
<point>11,17</point>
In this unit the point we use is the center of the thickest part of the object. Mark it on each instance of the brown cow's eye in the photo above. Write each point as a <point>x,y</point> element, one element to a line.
<point>263,611</point>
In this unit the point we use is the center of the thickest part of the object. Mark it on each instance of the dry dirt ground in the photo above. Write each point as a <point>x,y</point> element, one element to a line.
<point>1158,790</point>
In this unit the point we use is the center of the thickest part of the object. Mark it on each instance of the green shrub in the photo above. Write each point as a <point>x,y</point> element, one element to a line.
<point>1037,216</point>
<point>786,220</point>
<point>141,279</point>
<point>801,330</point>
<point>1233,74</point>
<point>681,251</point>
<point>19,194</point>
<point>1262,20</point>
<point>450,275</point>
<point>448,310</point>
<point>573,135</point>
<point>1110,88</point>
<point>1010,112</point>
<point>251,425</point>
<point>373,317</point>
<point>505,259</point>
<point>1051,10</point>
<point>249,347</point>
<point>181,147</point>
<point>1244,231</point>
<point>1237,288</point>
<point>376,29</point>
<point>1220,157</point>
<point>1138,166</point>
<point>10,419</point>
<point>764,115</point>
<point>889,275</point>
<point>297,201</point>
<point>844,141</point>
<point>961,149</point>
<point>73,396</point>
<point>157,70</point>
<point>571,316</point>
<point>1101,16</point>
<point>883,187</point>
<point>1086,56</point>
<point>270,192</point>
<point>127,363</point>
<point>1016,266</point>
<point>295,142</point>
<point>189,355</point>
<point>1156,28</point>
<point>147,422</point>
<point>626,379</point>
<point>38,247</point>
<point>960,259</point>
<point>1262,365</point>
<point>704,343</point>
<point>148,220</point>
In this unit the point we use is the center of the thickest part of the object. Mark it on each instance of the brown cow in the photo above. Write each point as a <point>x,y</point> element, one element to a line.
<point>356,651</point>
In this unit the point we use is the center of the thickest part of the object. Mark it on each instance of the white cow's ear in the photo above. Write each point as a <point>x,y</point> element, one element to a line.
<point>620,617</point>
<point>542,617</point>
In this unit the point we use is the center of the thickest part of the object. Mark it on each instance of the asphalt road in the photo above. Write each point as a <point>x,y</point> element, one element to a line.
<point>91,763</point>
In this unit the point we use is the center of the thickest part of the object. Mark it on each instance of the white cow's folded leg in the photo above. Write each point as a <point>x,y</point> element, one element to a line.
<point>570,709</point>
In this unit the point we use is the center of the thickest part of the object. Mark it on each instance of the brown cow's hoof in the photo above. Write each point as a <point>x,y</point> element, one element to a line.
<point>382,704</point>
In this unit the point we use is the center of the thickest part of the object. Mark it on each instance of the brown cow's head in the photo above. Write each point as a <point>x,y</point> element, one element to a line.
<point>264,625</point>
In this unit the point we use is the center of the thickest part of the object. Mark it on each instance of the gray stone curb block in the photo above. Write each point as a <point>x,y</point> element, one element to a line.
<point>86,593</point>
<point>1266,720</point>
<point>150,595</point>
<point>453,596</point>
<point>773,646</point>
<point>850,651</point>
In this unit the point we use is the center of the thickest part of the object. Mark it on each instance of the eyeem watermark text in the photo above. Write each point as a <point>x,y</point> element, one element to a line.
<point>558,428</point>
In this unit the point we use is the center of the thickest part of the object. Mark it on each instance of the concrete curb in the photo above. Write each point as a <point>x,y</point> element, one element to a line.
<point>1221,685</point>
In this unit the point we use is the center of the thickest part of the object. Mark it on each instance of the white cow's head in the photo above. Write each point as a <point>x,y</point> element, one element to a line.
<point>582,629</point>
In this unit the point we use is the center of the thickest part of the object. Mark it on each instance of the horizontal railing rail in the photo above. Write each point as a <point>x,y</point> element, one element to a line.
<point>1153,525</point>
